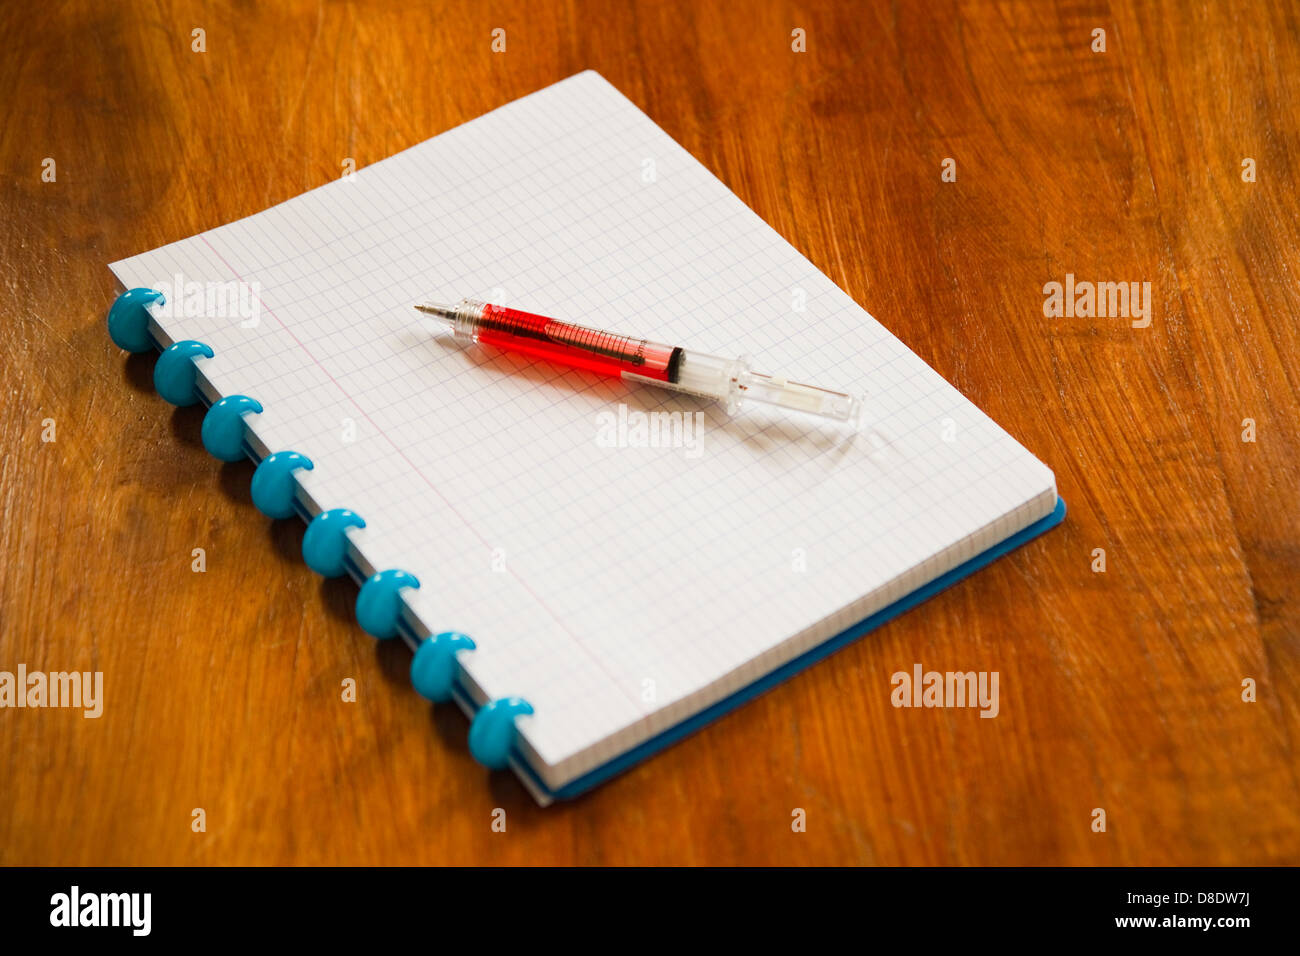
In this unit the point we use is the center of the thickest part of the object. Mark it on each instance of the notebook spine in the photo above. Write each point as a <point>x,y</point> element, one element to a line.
<point>435,665</point>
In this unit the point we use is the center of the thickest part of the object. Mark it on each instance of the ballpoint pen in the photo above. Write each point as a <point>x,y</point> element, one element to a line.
<point>730,381</point>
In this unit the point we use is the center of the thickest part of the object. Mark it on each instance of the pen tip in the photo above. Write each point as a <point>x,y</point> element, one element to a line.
<point>438,311</point>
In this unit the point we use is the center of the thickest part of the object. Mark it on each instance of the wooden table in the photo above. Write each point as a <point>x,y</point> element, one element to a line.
<point>1120,690</point>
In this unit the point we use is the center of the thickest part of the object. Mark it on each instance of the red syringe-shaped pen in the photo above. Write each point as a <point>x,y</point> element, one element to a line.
<point>727,380</point>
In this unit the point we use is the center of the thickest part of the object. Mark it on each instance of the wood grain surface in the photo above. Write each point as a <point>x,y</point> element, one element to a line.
<point>1120,690</point>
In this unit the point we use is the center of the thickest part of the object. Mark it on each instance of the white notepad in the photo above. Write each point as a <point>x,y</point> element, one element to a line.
<point>620,590</point>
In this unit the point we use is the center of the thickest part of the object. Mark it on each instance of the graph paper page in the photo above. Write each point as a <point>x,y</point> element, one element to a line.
<point>619,588</point>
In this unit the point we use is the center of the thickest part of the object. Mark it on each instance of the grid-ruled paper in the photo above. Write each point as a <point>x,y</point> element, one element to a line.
<point>618,589</point>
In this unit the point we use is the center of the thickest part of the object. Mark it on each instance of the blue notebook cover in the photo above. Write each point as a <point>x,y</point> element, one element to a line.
<point>669,737</point>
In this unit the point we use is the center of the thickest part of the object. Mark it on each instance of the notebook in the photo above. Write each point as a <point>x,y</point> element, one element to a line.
<point>622,586</point>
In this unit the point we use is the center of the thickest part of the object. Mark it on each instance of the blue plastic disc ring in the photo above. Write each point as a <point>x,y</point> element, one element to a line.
<point>174,372</point>
<point>325,545</point>
<point>379,605</point>
<point>492,733</point>
<point>223,426</point>
<point>128,319</point>
<point>273,484</point>
<point>434,666</point>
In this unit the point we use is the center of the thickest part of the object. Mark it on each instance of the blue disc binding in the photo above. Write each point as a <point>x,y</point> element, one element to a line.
<point>273,485</point>
<point>128,319</point>
<point>379,605</point>
<point>434,666</point>
<point>325,544</point>
<point>492,733</point>
<point>173,374</point>
<point>223,426</point>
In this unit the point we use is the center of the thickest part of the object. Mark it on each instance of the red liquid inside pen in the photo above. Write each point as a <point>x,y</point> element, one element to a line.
<point>574,345</point>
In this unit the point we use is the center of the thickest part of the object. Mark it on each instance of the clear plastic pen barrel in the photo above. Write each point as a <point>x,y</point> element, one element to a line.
<point>730,381</point>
